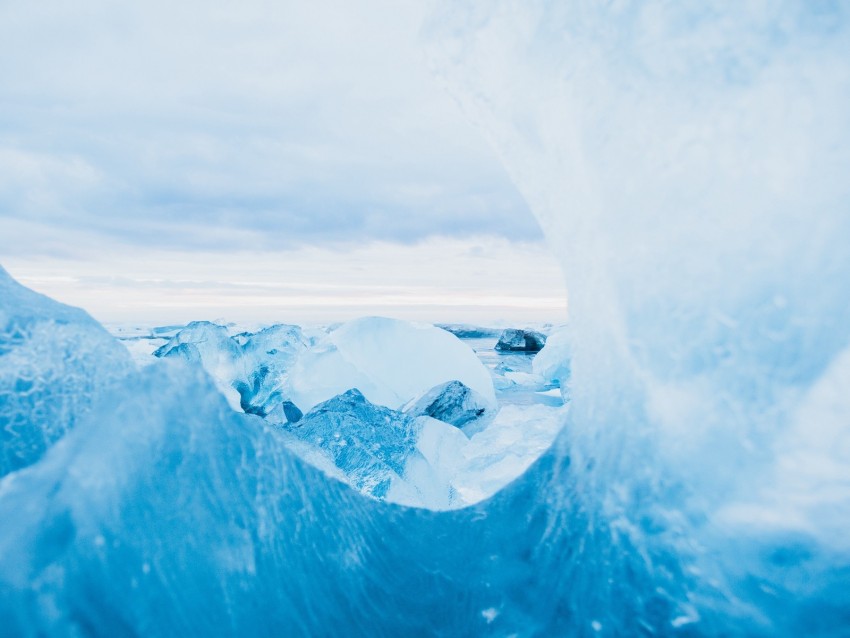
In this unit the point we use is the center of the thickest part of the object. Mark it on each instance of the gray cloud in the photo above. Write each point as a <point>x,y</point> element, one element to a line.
<point>289,122</point>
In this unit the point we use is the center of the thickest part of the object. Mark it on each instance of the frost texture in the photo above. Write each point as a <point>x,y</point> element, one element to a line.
<point>54,360</point>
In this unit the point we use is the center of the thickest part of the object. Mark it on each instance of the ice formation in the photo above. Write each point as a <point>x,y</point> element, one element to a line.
<point>390,361</point>
<point>688,164</point>
<point>54,362</point>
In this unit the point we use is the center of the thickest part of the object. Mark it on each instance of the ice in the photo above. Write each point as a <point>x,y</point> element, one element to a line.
<point>451,402</point>
<point>553,361</point>
<point>269,355</point>
<point>686,164</point>
<point>514,340</point>
<point>54,362</point>
<point>390,361</point>
<point>211,346</point>
<point>249,368</point>
<point>464,331</point>
<point>370,444</point>
<point>502,451</point>
<point>421,461</point>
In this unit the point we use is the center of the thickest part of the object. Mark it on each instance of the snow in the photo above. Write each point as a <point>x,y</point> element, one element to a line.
<point>390,361</point>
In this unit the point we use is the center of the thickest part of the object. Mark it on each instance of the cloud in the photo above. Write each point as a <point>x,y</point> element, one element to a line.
<point>208,125</point>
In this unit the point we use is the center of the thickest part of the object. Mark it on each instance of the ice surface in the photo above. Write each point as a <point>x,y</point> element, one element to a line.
<point>421,461</point>
<point>268,356</point>
<point>54,361</point>
<point>388,360</point>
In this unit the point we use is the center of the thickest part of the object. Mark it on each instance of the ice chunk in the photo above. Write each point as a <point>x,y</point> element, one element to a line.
<point>388,360</point>
<point>553,361</point>
<point>249,368</point>
<point>54,362</point>
<point>513,340</point>
<point>210,345</point>
<point>451,402</point>
<point>268,355</point>
<point>370,444</point>
<point>463,331</point>
<point>501,452</point>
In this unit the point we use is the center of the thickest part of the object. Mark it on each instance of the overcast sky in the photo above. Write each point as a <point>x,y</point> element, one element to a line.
<point>206,136</point>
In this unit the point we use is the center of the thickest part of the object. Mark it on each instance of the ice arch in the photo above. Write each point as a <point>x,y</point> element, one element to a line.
<point>714,317</point>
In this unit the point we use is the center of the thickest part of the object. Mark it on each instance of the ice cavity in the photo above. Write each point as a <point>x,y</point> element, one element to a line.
<point>54,362</point>
<point>390,361</point>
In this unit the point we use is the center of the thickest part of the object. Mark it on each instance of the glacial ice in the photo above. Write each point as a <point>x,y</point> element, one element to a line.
<point>390,361</point>
<point>54,362</point>
<point>688,165</point>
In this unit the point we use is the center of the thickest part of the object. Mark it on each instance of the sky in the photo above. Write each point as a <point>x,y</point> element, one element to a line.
<point>269,161</point>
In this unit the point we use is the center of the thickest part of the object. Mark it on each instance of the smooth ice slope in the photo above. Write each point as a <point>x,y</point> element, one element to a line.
<point>390,361</point>
<point>54,361</point>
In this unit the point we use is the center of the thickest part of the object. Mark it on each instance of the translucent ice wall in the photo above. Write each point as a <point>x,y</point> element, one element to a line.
<point>689,164</point>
